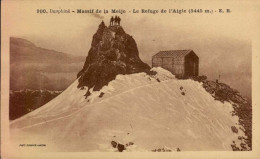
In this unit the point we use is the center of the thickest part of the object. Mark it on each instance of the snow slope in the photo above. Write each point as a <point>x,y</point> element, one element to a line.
<point>151,112</point>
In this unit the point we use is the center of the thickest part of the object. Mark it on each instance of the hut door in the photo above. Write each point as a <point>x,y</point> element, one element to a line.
<point>190,68</point>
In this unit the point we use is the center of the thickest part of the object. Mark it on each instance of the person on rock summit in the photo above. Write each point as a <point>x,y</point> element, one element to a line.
<point>118,20</point>
<point>112,20</point>
<point>115,21</point>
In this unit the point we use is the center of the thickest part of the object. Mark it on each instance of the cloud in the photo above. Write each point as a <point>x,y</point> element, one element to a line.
<point>97,16</point>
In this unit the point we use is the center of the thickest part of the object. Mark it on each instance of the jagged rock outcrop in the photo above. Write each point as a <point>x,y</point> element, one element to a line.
<point>112,52</point>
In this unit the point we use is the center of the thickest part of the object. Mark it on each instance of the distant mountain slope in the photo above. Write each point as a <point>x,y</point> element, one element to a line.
<point>25,51</point>
<point>24,101</point>
<point>33,67</point>
<point>148,112</point>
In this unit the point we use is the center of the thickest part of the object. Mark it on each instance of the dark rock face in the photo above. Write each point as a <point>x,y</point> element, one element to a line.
<point>114,144</point>
<point>234,129</point>
<point>112,52</point>
<point>120,147</point>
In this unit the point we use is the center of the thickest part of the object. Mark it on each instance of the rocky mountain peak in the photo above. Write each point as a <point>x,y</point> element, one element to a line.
<point>112,52</point>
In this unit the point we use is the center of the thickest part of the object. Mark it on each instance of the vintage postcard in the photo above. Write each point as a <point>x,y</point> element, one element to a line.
<point>130,79</point>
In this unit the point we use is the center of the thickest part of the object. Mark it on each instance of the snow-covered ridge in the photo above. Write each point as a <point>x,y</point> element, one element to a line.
<point>73,94</point>
<point>153,112</point>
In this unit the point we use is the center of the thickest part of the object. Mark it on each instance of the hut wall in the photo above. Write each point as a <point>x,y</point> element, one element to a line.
<point>157,62</point>
<point>164,62</point>
<point>168,63</point>
<point>179,66</point>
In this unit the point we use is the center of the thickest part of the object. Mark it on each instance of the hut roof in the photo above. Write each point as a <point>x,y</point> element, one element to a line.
<point>173,53</point>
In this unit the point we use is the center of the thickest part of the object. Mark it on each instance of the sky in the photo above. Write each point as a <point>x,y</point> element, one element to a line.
<point>222,41</point>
